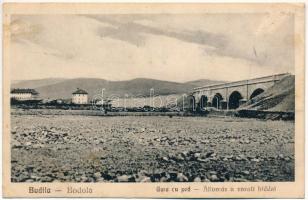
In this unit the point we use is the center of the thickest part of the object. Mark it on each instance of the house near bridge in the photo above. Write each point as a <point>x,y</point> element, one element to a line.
<point>80,96</point>
<point>233,94</point>
<point>22,94</point>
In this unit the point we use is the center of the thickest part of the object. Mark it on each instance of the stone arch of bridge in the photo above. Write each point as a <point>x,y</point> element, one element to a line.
<point>191,103</point>
<point>234,100</point>
<point>216,100</point>
<point>242,89</point>
<point>256,92</point>
<point>203,101</point>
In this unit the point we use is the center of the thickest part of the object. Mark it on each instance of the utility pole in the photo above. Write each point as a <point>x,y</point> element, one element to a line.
<point>102,102</point>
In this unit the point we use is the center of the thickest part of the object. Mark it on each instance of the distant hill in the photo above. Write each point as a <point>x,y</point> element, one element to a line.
<point>63,88</point>
<point>36,83</point>
<point>203,82</point>
<point>15,81</point>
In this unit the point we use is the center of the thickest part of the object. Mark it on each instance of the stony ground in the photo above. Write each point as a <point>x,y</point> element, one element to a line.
<point>146,149</point>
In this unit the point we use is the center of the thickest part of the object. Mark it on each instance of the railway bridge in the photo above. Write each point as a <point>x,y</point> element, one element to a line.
<point>232,94</point>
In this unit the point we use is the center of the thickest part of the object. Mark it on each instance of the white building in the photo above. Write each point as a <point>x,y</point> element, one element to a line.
<point>80,97</point>
<point>24,94</point>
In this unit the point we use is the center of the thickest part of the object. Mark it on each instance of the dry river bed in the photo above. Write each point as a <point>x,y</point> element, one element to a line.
<point>66,148</point>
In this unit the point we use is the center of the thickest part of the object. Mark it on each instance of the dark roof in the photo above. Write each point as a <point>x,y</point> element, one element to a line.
<point>80,91</point>
<point>24,90</point>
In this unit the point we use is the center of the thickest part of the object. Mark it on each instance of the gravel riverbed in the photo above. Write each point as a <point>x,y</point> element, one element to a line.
<point>66,148</point>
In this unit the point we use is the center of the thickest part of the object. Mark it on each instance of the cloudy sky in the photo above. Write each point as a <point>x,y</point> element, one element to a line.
<point>174,47</point>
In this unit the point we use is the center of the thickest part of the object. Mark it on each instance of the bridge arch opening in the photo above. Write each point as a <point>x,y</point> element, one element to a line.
<point>256,93</point>
<point>203,102</point>
<point>191,103</point>
<point>234,100</point>
<point>216,100</point>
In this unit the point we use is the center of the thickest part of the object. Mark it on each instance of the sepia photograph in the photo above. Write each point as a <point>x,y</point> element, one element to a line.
<point>153,97</point>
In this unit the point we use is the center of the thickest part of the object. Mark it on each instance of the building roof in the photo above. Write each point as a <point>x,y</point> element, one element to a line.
<point>23,91</point>
<point>80,91</point>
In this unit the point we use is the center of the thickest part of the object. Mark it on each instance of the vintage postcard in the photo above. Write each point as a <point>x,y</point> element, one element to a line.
<point>153,100</point>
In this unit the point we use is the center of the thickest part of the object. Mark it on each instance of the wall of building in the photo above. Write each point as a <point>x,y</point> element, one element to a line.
<point>80,99</point>
<point>22,96</point>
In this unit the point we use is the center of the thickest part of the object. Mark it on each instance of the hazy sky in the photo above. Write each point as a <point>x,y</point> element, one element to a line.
<point>174,47</point>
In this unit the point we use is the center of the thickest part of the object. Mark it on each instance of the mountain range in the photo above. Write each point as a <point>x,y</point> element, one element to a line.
<point>55,88</point>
